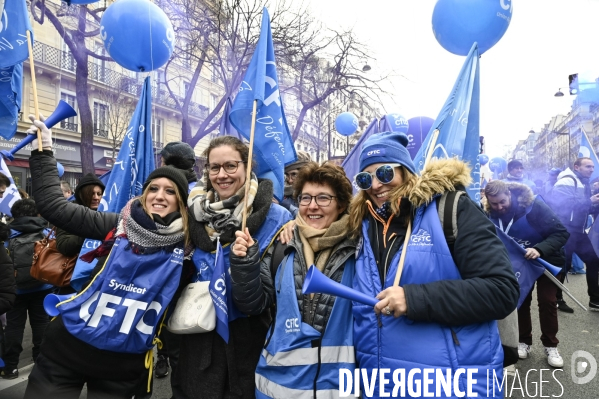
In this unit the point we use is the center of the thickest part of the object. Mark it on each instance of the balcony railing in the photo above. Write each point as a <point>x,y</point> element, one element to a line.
<point>100,132</point>
<point>104,74</point>
<point>69,126</point>
<point>158,145</point>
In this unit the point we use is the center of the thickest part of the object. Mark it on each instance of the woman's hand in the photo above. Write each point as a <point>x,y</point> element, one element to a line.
<point>287,233</point>
<point>46,133</point>
<point>391,301</point>
<point>242,243</point>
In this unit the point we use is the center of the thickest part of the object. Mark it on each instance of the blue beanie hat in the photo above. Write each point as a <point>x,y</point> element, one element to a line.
<point>386,147</point>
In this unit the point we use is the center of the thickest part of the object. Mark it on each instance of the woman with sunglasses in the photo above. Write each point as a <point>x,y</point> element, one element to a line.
<point>208,366</point>
<point>442,314</point>
<point>300,333</point>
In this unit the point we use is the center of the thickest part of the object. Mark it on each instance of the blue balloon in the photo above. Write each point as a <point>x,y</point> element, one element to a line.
<point>60,169</point>
<point>457,24</point>
<point>483,159</point>
<point>346,124</point>
<point>498,165</point>
<point>398,123</point>
<point>137,34</point>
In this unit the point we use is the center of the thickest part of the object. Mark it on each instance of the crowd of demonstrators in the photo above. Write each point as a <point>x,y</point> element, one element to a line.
<point>291,172</point>
<point>456,292</point>
<point>150,232</point>
<point>527,219</point>
<point>213,367</point>
<point>276,279</point>
<point>572,200</point>
<point>26,228</point>
<point>515,170</point>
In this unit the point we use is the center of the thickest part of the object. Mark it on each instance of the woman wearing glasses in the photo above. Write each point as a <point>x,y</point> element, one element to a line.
<point>291,364</point>
<point>442,314</point>
<point>208,366</point>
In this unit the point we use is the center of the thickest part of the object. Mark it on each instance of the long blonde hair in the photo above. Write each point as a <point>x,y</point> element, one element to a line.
<point>359,209</point>
<point>182,208</point>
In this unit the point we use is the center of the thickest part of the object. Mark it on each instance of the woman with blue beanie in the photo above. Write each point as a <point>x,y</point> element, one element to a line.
<point>441,314</point>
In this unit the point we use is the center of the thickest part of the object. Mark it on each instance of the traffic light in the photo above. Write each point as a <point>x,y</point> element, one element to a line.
<point>573,79</point>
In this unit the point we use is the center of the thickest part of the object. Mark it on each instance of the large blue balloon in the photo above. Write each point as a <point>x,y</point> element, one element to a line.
<point>137,34</point>
<point>398,123</point>
<point>346,124</point>
<point>457,24</point>
<point>497,164</point>
<point>483,159</point>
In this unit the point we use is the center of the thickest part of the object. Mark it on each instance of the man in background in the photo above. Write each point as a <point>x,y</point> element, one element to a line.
<point>291,172</point>
<point>66,189</point>
<point>516,175</point>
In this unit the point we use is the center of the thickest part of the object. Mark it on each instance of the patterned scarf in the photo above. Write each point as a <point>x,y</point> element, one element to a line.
<point>321,241</point>
<point>384,211</point>
<point>221,216</point>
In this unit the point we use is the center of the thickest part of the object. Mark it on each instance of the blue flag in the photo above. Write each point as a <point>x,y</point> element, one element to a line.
<point>11,85</point>
<point>220,289</point>
<point>526,271</point>
<point>458,124</point>
<point>586,150</point>
<point>133,165</point>
<point>14,24</point>
<point>225,128</point>
<point>272,141</point>
<point>351,163</point>
<point>11,195</point>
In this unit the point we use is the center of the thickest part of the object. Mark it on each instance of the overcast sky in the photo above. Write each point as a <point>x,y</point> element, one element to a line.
<point>546,41</point>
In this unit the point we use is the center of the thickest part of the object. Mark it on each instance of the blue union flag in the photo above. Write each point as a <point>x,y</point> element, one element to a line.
<point>272,141</point>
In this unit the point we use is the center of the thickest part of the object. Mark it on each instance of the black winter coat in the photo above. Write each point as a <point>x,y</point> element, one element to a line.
<point>253,281</point>
<point>8,287</point>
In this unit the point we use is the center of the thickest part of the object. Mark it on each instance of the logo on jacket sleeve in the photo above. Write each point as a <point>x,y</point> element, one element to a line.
<point>421,238</point>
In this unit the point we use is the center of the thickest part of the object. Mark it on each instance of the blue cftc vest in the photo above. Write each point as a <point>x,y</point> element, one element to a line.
<point>293,363</point>
<point>400,343</point>
<point>205,261</point>
<point>520,230</point>
<point>120,310</point>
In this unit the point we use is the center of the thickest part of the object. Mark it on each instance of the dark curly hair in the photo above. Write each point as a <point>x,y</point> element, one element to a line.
<point>23,207</point>
<point>326,174</point>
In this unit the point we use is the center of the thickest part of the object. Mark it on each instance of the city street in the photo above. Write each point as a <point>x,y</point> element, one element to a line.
<point>578,331</point>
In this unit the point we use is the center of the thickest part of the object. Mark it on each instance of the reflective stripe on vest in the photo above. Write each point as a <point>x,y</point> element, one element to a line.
<point>298,361</point>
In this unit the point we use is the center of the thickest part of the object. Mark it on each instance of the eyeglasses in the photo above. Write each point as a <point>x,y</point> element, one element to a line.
<point>292,175</point>
<point>384,173</point>
<point>321,199</point>
<point>230,167</point>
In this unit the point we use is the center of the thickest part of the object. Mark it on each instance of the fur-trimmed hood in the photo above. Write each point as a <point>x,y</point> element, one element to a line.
<point>521,193</point>
<point>439,176</point>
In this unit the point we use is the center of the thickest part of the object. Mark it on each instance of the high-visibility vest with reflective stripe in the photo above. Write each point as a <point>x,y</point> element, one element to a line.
<point>298,361</point>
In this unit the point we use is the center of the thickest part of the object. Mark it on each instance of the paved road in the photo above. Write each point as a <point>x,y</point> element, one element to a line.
<point>578,331</point>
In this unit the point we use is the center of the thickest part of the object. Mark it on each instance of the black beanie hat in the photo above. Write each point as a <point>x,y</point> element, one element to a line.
<point>87,180</point>
<point>173,174</point>
<point>178,154</point>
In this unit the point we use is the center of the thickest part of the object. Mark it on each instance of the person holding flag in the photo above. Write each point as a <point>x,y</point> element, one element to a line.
<point>440,294</point>
<point>221,363</point>
<point>104,336</point>
<point>526,218</point>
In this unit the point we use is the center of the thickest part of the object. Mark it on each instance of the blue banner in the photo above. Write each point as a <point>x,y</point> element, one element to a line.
<point>526,271</point>
<point>586,150</point>
<point>14,24</point>
<point>11,86</point>
<point>11,194</point>
<point>458,124</point>
<point>133,165</point>
<point>272,141</point>
<point>220,291</point>
<point>351,163</point>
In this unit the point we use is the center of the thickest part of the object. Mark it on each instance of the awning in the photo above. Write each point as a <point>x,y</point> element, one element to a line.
<point>76,169</point>
<point>21,163</point>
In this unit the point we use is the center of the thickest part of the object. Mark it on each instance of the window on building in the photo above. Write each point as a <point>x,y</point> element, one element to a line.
<point>99,71</point>
<point>214,74</point>
<point>69,123</point>
<point>213,101</point>
<point>100,119</point>
<point>157,132</point>
<point>186,87</point>
<point>67,59</point>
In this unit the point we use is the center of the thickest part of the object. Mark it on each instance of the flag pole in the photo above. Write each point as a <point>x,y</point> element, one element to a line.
<point>34,88</point>
<point>402,258</point>
<point>248,167</point>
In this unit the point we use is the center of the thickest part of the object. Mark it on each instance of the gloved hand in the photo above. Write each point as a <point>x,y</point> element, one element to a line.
<point>46,133</point>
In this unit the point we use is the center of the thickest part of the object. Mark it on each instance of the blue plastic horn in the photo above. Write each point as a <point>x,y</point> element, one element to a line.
<point>316,282</point>
<point>62,112</point>
<point>50,302</point>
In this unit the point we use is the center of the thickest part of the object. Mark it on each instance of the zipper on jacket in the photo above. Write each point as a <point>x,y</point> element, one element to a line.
<point>455,337</point>
<point>387,261</point>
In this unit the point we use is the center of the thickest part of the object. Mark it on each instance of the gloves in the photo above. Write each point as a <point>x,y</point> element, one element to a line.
<point>46,133</point>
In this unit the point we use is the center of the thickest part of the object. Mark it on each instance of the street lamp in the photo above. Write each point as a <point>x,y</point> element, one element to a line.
<point>559,93</point>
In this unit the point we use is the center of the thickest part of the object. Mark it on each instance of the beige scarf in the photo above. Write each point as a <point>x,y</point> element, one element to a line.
<point>321,241</point>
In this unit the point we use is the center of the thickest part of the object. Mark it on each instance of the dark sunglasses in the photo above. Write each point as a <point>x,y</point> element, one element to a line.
<point>384,173</point>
